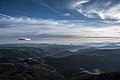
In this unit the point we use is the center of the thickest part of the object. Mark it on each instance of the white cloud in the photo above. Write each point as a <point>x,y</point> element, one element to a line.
<point>113,12</point>
<point>97,9</point>
<point>70,30</point>
<point>67,14</point>
<point>3,16</point>
<point>78,3</point>
<point>25,20</point>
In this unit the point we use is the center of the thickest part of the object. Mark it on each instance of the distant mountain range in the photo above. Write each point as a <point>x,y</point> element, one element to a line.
<point>23,52</point>
<point>58,62</point>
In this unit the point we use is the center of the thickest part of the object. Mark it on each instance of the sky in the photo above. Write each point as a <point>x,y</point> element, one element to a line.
<point>59,21</point>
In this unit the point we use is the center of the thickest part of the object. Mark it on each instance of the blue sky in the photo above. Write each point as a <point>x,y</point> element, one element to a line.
<point>60,21</point>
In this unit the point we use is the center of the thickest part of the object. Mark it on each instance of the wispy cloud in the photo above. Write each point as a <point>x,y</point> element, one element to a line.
<point>49,7</point>
<point>24,20</point>
<point>97,9</point>
<point>56,29</point>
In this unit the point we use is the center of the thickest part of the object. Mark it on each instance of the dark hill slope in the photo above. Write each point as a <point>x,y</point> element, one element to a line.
<point>27,69</point>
